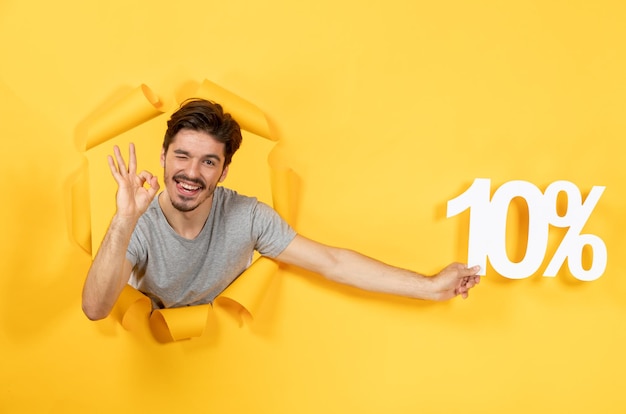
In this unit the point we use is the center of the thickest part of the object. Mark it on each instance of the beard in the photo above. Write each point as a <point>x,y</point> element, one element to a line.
<point>183,205</point>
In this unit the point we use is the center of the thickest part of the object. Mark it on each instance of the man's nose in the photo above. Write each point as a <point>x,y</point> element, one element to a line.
<point>193,169</point>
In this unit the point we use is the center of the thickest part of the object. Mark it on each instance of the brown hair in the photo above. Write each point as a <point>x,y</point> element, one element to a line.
<point>207,116</point>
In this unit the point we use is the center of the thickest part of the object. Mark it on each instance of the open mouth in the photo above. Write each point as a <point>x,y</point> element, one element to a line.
<point>187,187</point>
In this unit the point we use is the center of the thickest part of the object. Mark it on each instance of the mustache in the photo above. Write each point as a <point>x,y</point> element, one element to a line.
<point>183,177</point>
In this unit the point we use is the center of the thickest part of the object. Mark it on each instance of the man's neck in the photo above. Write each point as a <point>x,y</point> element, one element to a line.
<point>186,224</point>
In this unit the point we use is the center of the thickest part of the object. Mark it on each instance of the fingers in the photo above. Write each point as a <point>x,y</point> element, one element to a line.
<point>154,186</point>
<point>117,158</point>
<point>132,159</point>
<point>112,166</point>
<point>462,291</point>
<point>145,176</point>
<point>153,182</point>
<point>127,176</point>
<point>470,281</point>
<point>468,278</point>
<point>121,164</point>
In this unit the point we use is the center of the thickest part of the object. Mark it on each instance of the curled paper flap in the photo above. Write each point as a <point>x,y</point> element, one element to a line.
<point>138,106</point>
<point>248,115</point>
<point>285,186</point>
<point>167,325</point>
<point>80,220</point>
<point>179,323</point>
<point>243,298</point>
<point>132,306</point>
<point>160,329</point>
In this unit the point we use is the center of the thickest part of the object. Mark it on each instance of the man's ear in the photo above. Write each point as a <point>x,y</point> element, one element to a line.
<point>224,174</point>
<point>162,157</point>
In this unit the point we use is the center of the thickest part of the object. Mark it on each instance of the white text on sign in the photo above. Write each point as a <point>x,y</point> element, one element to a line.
<point>487,228</point>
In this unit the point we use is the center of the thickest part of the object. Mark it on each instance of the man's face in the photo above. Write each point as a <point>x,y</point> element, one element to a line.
<point>193,166</point>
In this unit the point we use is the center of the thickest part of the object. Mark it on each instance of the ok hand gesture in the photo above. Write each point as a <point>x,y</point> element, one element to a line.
<point>133,198</point>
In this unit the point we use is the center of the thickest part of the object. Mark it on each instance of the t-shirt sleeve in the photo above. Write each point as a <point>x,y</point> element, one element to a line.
<point>273,234</point>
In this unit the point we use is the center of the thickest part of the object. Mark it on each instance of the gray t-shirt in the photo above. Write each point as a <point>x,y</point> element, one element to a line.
<point>174,271</point>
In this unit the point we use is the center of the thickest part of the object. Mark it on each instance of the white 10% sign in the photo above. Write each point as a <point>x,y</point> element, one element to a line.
<point>487,228</point>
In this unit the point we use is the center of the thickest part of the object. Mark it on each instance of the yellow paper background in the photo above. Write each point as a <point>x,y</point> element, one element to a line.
<point>385,110</point>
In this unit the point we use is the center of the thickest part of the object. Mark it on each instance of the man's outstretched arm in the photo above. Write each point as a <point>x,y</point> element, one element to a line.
<point>110,270</point>
<point>355,269</point>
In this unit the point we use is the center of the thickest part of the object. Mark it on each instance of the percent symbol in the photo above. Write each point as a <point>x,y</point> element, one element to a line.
<point>575,217</point>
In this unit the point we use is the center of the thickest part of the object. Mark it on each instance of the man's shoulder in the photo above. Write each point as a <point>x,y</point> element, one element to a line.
<point>228,196</point>
<point>229,203</point>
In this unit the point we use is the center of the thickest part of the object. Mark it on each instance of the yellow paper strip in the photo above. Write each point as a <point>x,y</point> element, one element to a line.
<point>244,296</point>
<point>249,116</point>
<point>137,107</point>
<point>159,327</point>
<point>132,307</point>
<point>241,299</point>
<point>179,323</point>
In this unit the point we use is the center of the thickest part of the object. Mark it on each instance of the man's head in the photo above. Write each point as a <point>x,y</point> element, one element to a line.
<point>197,149</point>
<point>209,117</point>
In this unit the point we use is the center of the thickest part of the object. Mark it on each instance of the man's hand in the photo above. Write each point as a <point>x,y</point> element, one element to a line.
<point>455,279</point>
<point>110,270</point>
<point>133,198</point>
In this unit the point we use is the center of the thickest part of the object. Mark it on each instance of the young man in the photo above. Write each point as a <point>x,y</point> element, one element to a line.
<point>185,246</point>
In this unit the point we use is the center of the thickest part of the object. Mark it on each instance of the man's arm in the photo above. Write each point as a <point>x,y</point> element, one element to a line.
<point>109,272</point>
<point>110,269</point>
<point>352,268</point>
